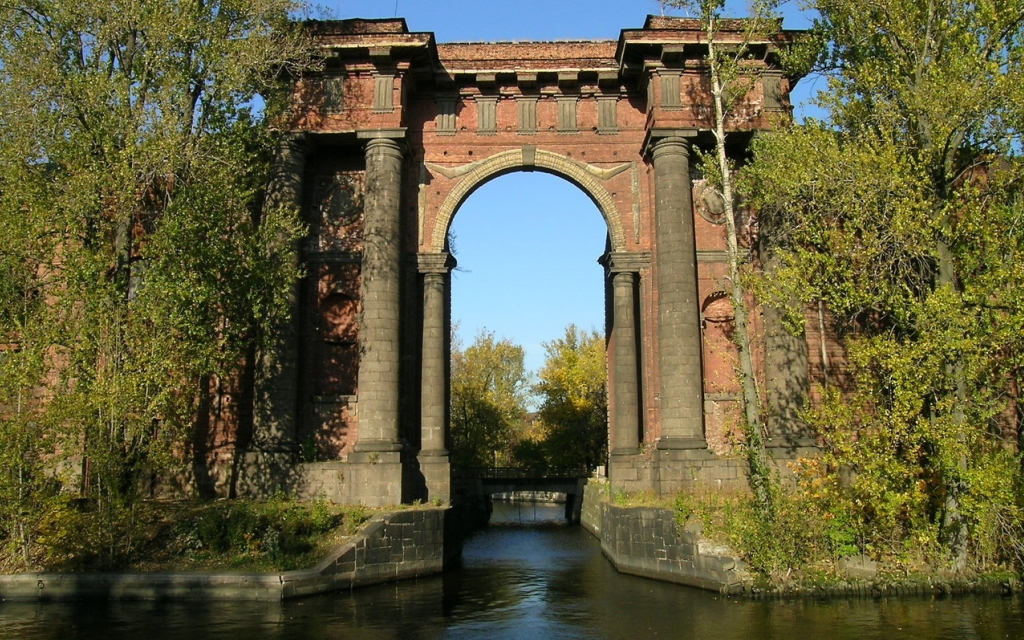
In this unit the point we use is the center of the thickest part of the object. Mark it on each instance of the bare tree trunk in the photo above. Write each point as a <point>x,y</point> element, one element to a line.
<point>954,525</point>
<point>822,343</point>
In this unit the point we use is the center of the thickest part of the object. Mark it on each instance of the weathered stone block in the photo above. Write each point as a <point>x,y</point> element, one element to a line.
<point>858,567</point>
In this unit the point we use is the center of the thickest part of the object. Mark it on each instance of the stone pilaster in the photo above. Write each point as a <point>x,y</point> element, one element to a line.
<point>787,382</point>
<point>679,348</point>
<point>433,455</point>
<point>276,401</point>
<point>276,376</point>
<point>626,426</point>
<point>379,327</point>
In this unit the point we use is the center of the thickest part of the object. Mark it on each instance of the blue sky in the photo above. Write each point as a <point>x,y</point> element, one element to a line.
<point>527,243</point>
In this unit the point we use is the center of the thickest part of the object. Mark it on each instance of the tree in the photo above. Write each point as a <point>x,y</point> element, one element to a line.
<point>573,388</point>
<point>902,214</point>
<point>137,259</point>
<point>488,389</point>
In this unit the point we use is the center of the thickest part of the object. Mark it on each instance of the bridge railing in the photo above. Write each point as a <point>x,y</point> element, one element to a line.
<point>508,473</point>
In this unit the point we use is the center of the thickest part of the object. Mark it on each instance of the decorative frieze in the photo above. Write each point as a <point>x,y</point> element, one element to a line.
<point>567,113</point>
<point>334,99</point>
<point>771,85</point>
<point>670,95</point>
<point>607,115</point>
<point>446,124</point>
<point>383,94</point>
<point>486,114</point>
<point>527,114</point>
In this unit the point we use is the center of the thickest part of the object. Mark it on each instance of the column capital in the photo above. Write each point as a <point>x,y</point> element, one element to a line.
<point>297,142</point>
<point>668,141</point>
<point>669,145</point>
<point>625,261</point>
<point>398,133</point>
<point>440,263</point>
<point>387,146</point>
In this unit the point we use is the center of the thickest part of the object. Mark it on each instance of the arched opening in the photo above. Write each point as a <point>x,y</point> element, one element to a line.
<point>527,245</point>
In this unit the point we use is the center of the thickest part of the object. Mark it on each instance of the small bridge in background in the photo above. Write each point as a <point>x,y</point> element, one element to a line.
<point>480,483</point>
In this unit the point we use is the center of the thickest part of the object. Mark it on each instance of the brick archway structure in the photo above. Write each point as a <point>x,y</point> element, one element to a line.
<point>389,139</point>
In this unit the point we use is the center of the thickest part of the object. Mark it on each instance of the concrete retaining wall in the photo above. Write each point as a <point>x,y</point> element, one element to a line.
<point>393,546</point>
<point>646,541</point>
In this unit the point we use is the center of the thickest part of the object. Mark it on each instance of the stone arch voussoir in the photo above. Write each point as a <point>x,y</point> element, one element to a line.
<point>511,160</point>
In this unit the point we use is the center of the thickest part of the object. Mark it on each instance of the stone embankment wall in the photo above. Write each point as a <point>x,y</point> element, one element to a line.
<point>404,544</point>
<point>646,541</point>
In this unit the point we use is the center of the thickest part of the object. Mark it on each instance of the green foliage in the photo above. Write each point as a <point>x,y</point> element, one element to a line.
<point>273,534</point>
<point>805,533</point>
<point>573,390</point>
<point>138,259</point>
<point>490,423</point>
<point>488,387</point>
<point>276,530</point>
<point>684,506</point>
<point>902,214</point>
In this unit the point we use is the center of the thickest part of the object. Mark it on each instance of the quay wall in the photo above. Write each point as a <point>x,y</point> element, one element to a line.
<point>646,541</point>
<point>392,546</point>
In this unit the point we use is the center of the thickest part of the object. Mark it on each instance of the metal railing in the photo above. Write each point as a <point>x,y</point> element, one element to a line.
<point>512,473</point>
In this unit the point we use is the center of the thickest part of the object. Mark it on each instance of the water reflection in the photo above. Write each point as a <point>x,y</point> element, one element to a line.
<point>547,581</point>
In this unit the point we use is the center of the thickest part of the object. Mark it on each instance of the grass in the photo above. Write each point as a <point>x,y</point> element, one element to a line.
<point>278,534</point>
<point>246,535</point>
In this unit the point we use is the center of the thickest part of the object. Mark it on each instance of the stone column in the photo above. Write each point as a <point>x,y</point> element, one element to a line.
<point>381,272</point>
<point>276,375</point>
<point>627,469</point>
<point>376,470</point>
<point>625,431</point>
<point>433,456</point>
<point>679,348</point>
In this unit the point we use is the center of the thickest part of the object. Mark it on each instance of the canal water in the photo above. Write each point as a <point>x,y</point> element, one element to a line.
<point>527,575</point>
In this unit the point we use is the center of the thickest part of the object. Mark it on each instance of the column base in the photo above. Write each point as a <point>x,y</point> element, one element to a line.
<point>375,478</point>
<point>688,469</point>
<point>672,444</point>
<point>630,472</point>
<point>377,446</point>
<point>437,475</point>
<point>261,474</point>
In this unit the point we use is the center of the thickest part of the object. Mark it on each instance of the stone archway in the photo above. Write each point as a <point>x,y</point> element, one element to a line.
<point>586,177</point>
<point>410,127</point>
